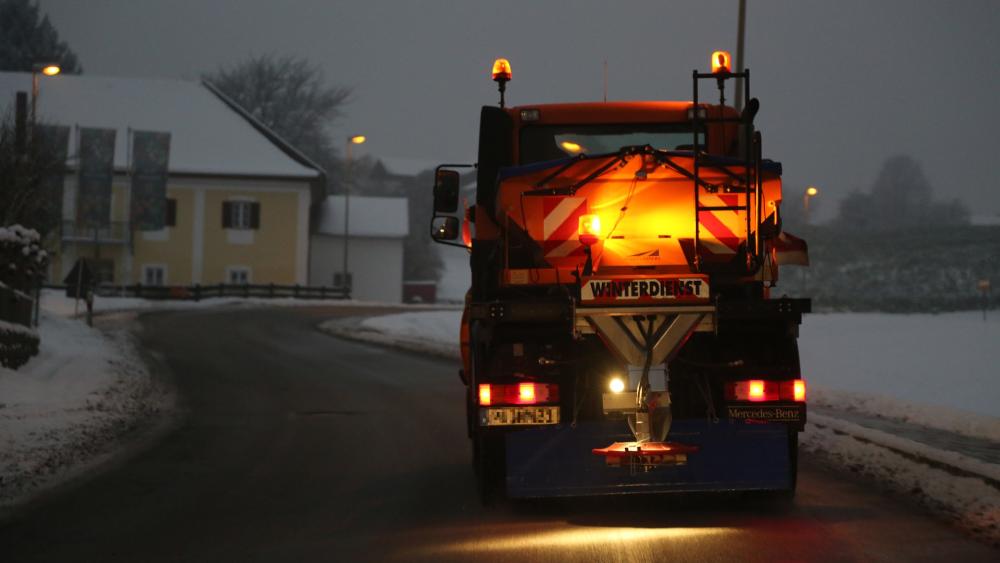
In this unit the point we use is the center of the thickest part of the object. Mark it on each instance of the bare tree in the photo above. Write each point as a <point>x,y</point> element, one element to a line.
<point>26,194</point>
<point>288,95</point>
<point>901,197</point>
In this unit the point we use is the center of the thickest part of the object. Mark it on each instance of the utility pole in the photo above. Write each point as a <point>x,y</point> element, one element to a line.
<point>351,141</point>
<point>740,35</point>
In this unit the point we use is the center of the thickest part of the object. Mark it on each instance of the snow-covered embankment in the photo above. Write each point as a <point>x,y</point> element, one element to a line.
<point>70,406</point>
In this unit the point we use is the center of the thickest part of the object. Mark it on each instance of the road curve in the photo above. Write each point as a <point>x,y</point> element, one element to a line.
<point>296,446</point>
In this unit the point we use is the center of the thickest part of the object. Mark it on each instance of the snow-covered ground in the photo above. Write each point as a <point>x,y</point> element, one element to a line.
<point>949,360</point>
<point>936,371</point>
<point>70,405</point>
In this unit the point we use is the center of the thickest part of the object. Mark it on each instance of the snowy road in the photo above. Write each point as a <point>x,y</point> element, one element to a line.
<point>297,446</point>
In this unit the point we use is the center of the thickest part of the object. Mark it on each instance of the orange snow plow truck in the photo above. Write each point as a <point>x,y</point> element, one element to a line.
<point>621,333</point>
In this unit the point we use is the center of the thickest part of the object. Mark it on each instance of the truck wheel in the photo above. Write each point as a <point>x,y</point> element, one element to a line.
<point>793,460</point>
<point>489,457</point>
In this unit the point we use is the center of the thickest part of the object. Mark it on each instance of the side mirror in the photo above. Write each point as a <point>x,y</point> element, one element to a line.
<point>445,228</point>
<point>446,186</point>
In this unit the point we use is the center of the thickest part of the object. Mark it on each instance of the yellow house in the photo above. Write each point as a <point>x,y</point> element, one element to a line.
<point>238,196</point>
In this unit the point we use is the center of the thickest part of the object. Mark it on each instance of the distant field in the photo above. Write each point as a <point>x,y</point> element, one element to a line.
<point>907,271</point>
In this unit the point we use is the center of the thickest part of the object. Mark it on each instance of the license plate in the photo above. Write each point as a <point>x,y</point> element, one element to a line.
<point>518,416</point>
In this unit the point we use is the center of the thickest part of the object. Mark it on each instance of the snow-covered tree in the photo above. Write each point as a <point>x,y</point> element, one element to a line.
<point>26,39</point>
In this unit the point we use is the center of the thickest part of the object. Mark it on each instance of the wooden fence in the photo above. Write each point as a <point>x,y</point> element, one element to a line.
<point>198,292</point>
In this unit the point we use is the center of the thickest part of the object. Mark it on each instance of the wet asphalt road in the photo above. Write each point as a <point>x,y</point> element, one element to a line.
<point>296,446</point>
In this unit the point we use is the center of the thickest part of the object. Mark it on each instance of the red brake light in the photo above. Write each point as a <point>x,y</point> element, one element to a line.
<point>758,390</point>
<point>799,391</point>
<point>526,392</point>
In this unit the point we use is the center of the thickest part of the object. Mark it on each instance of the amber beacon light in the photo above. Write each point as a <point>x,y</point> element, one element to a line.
<point>720,62</point>
<point>501,75</point>
<point>501,70</point>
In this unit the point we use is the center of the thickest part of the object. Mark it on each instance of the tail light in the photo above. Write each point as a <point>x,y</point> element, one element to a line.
<point>762,390</point>
<point>799,391</point>
<point>517,393</point>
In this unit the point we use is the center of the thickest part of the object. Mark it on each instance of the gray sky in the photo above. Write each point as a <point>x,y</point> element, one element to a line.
<point>842,84</point>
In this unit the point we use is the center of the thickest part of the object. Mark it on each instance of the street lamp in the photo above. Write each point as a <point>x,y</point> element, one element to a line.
<point>351,141</point>
<point>810,193</point>
<point>48,69</point>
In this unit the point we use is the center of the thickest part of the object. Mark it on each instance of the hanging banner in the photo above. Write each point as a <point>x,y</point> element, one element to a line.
<point>150,158</point>
<point>97,169</point>
<point>54,144</point>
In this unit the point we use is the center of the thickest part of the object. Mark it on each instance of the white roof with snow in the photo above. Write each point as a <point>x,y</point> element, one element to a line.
<point>207,136</point>
<point>378,217</point>
<point>408,166</point>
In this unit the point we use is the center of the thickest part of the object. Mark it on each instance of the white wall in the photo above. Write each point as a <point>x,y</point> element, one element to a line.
<point>376,264</point>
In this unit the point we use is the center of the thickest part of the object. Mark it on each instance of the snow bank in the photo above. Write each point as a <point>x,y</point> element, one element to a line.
<point>970,501</point>
<point>428,332</point>
<point>432,329</point>
<point>69,404</point>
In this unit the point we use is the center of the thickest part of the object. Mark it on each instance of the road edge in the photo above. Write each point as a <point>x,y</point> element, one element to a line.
<point>149,420</point>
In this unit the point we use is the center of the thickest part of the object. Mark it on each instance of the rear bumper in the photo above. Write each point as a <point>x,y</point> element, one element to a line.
<point>733,456</point>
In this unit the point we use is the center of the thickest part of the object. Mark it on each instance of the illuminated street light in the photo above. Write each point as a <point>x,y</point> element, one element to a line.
<point>811,192</point>
<point>48,69</point>
<point>351,141</point>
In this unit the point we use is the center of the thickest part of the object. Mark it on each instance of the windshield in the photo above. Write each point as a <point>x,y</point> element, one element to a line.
<point>551,142</point>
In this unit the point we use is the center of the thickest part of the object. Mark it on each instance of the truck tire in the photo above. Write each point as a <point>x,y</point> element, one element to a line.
<point>793,462</point>
<point>489,460</point>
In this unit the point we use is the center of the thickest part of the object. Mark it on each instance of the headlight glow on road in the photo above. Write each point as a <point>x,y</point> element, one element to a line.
<point>576,537</point>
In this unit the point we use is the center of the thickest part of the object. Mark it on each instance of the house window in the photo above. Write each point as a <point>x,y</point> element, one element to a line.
<point>154,275</point>
<point>240,215</point>
<point>237,275</point>
<point>171,219</point>
<point>338,280</point>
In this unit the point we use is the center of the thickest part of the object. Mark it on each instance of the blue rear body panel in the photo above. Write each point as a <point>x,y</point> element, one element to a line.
<point>733,456</point>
